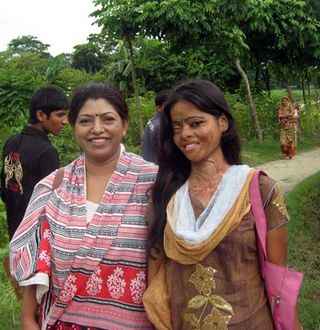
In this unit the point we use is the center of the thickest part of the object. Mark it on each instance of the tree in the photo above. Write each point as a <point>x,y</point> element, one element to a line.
<point>87,57</point>
<point>118,21</point>
<point>28,44</point>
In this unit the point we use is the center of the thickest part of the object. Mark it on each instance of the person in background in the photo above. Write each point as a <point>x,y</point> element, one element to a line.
<point>150,145</point>
<point>80,251</point>
<point>29,156</point>
<point>288,119</point>
<point>204,264</point>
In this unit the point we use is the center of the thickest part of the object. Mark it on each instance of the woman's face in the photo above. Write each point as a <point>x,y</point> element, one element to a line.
<point>196,133</point>
<point>99,130</point>
<point>285,102</point>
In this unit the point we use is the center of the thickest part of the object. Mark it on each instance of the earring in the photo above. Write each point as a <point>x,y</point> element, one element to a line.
<point>124,133</point>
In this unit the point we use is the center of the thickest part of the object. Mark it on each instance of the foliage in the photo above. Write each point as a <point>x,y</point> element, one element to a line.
<point>16,87</point>
<point>87,57</point>
<point>28,44</point>
<point>66,146</point>
<point>158,67</point>
<point>4,237</point>
<point>132,141</point>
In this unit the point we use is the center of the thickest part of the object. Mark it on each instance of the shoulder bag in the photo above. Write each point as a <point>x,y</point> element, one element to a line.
<point>282,284</point>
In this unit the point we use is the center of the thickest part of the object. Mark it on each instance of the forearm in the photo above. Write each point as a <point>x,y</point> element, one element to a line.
<point>29,308</point>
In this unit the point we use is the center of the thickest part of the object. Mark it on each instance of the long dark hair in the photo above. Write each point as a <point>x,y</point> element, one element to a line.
<point>174,167</point>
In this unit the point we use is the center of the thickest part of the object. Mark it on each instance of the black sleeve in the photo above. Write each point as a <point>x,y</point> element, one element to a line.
<point>48,162</point>
<point>2,182</point>
<point>147,152</point>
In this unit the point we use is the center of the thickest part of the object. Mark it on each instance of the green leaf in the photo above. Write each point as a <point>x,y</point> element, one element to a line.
<point>192,319</point>
<point>220,303</point>
<point>197,301</point>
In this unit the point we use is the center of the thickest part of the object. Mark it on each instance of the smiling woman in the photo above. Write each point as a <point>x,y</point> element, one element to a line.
<point>83,251</point>
<point>202,229</point>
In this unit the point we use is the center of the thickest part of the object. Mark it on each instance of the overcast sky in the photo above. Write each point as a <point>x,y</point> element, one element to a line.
<point>60,23</point>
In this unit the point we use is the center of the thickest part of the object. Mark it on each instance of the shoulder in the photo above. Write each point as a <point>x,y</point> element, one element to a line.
<point>266,182</point>
<point>75,167</point>
<point>137,160</point>
<point>11,140</point>
<point>267,187</point>
<point>274,204</point>
<point>139,164</point>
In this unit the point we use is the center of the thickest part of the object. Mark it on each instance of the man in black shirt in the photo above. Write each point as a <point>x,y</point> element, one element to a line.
<point>29,156</point>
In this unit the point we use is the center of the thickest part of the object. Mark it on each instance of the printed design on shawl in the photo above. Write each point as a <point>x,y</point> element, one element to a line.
<point>137,287</point>
<point>60,325</point>
<point>69,289</point>
<point>211,305</point>
<point>94,283</point>
<point>46,234</point>
<point>45,256</point>
<point>116,284</point>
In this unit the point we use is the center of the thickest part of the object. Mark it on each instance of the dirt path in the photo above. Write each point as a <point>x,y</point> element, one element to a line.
<point>290,172</point>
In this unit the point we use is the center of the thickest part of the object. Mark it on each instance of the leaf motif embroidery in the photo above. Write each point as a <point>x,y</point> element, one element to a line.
<point>215,311</point>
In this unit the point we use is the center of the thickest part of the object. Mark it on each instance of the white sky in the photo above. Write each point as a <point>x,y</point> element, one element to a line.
<point>60,23</point>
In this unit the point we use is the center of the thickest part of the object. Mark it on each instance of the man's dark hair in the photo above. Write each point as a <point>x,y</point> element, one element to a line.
<point>47,99</point>
<point>162,97</point>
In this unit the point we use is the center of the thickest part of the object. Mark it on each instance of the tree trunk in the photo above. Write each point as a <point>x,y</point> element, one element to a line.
<point>303,88</point>
<point>253,110</point>
<point>257,77</point>
<point>135,87</point>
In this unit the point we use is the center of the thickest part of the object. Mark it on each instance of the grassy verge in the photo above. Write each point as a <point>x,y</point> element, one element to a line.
<point>304,246</point>
<point>255,154</point>
<point>9,307</point>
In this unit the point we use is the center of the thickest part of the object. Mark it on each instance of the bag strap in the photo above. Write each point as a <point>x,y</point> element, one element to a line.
<point>259,216</point>
<point>58,178</point>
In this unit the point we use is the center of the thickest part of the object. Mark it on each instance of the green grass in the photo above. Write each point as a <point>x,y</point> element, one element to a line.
<point>254,154</point>
<point>304,246</point>
<point>9,307</point>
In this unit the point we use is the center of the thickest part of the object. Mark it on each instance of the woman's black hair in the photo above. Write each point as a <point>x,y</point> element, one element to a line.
<point>97,91</point>
<point>174,167</point>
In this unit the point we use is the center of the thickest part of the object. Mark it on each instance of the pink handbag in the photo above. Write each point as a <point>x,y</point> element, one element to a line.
<point>282,284</point>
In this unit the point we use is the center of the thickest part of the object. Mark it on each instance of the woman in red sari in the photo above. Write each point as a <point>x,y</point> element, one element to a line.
<point>288,116</point>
